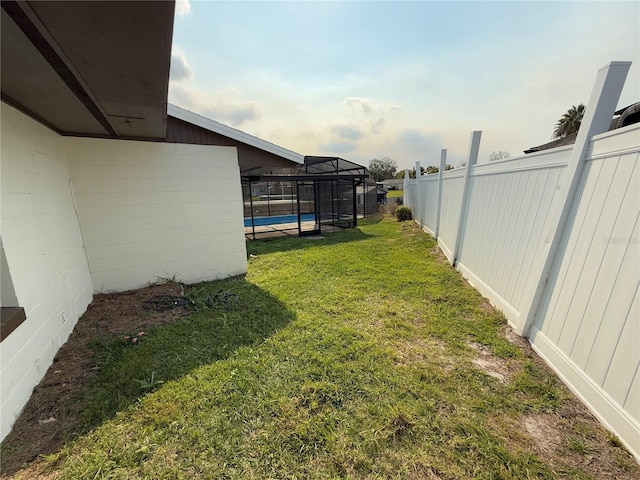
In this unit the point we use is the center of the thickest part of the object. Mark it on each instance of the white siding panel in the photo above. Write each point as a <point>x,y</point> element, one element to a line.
<point>583,219</point>
<point>619,301</point>
<point>512,235</point>
<point>619,219</point>
<point>539,208</point>
<point>620,140</point>
<point>504,226</point>
<point>632,402</point>
<point>451,201</point>
<point>472,248</point>
<point>625,361</point>
<point>602,218</point>
<point>429,187</point>
<point>502,232</point>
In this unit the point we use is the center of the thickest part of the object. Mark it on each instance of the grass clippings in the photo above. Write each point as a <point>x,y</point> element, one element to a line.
<point>360,355</point>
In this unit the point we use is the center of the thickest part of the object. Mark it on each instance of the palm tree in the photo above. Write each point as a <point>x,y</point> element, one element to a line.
<point>570,122</point>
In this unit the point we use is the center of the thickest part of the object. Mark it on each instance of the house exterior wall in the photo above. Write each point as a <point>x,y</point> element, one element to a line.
<point>152,210</point>
<point>44,255</point>
<point>179,131</point>
<point>80,215</point>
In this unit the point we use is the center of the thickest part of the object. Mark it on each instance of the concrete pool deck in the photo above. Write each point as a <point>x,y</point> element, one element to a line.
<point>284,230</point>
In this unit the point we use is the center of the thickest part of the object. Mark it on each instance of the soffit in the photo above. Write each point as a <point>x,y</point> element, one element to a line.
<point>89,68</point>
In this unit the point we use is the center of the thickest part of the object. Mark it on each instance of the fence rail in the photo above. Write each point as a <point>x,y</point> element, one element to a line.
<point>551,239</point>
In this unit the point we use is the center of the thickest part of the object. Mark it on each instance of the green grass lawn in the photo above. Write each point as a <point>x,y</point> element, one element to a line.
<point>395,193</point>
<point>346,357</point>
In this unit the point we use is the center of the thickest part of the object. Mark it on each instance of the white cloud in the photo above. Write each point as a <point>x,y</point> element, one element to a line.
<point>180,69</point>
<point>337,147</point>
<point>358,104</point>
<point>368,107</point>
<point>183,7</point>
<point>214,105</point>
<point>347,131</point>
<point>378,124</point>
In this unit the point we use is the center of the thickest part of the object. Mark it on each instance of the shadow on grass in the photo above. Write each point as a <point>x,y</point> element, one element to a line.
<point>230,314</point>
<point>283,244</point>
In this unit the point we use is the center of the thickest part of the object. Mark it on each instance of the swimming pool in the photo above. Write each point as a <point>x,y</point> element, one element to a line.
<point>278,219</point>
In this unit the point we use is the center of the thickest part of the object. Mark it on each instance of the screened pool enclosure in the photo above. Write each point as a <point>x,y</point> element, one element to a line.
<point>324,194</point>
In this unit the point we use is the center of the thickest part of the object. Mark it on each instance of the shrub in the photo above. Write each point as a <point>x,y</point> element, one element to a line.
<point>403,213</point>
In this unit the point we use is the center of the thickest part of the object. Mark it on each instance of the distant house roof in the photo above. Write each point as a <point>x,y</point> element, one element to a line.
<point>255,156</point>
<point>233,133</point>
<point>623,117</point>
<point>558,142</point>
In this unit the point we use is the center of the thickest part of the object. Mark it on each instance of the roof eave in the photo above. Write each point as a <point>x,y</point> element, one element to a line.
<point>233,133</point>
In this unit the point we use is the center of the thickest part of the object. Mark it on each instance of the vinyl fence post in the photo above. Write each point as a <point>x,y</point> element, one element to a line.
<point>443,164</point>
<point>418,210</point>
<point>472,158</point>
<point>597,118</point>
<point>405,187</point>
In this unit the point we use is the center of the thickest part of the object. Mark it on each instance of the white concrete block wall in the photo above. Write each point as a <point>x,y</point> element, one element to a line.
<point>44,252</point>
<point>151,210</point>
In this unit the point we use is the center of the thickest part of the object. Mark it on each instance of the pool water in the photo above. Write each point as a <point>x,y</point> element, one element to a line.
<point>278,219</point>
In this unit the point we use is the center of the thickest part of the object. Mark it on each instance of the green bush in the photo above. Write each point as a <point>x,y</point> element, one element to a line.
<point>403,213</point>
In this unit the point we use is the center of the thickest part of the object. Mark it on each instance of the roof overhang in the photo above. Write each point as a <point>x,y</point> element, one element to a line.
<point>89,68</point>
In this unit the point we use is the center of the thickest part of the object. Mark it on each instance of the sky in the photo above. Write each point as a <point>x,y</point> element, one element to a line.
<point>403,80</point>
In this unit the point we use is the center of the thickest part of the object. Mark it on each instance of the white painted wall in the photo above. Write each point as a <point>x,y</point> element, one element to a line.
<point>151,210</point>
<point>80,214</point>
<point>44,253</point>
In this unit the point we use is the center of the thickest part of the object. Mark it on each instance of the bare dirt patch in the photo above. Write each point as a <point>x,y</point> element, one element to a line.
<point>516,339</point>
<point>52,415</point>
<point>439,254</point>
<point>415,351</point>
<point>573,438</point>
<point>492,365</point>
<point>543,430</point>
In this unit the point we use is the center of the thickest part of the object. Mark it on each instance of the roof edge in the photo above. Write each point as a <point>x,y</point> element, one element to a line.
<point>233,133</point>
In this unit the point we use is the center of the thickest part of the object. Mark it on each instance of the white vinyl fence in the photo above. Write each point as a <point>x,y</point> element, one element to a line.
<point>552,240</point>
